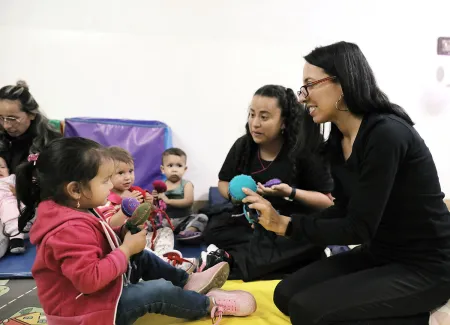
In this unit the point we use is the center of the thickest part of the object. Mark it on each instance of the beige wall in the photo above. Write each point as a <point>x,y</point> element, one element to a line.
<point>448,203</point>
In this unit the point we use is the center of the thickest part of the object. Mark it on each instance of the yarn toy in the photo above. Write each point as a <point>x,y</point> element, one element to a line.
<point>139,216</point>
<point>235,189</point>
<point>160,187</point>
<point>158,214</point>
<point>129,205</point>
<point>273,182</point>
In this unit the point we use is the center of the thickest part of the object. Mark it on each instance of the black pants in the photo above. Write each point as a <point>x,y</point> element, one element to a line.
<point>226,232</point>
<point>258,254</point>
<point>352,288</point>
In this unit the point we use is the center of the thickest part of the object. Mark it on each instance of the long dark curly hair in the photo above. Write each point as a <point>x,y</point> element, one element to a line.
<point>301,135</point>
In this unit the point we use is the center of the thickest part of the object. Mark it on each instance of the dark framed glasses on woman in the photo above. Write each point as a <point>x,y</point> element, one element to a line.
<point>303,92</point>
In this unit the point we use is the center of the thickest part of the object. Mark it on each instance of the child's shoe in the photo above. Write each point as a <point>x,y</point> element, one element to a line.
<point>211,257</point>
<point>214,277</point>
<point>175,258</point>
<point>163,241</point>
<point>17,246</point>
<point>231,303</point>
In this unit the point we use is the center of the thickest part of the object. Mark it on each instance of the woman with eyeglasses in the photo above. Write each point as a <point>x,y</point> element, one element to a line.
<point>387,198</point>
<point>282,142</point>
<point>23,130</point>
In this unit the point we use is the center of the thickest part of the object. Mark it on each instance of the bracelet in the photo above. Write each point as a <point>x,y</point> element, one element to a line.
<point>291,197</point>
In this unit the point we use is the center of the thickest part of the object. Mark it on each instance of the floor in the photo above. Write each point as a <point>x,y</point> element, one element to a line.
<point>19,303</point>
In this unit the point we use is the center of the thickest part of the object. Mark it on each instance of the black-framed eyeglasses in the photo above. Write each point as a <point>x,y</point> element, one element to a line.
<point>303,92</point>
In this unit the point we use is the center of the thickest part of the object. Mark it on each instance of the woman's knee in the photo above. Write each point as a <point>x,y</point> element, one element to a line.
<point>305,310</point>
<point>282,295</point>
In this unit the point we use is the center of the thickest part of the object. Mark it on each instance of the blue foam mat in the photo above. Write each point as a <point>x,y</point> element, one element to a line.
<point>190,250</point>
<point>18,266</point>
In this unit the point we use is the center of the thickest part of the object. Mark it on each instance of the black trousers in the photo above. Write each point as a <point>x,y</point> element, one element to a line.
<point>226,232</point>
<point>258,254</point>
<point>353,288</point>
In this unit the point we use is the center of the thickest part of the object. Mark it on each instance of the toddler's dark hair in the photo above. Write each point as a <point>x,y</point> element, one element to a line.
<point>174,152</point>
<point>62,161</point>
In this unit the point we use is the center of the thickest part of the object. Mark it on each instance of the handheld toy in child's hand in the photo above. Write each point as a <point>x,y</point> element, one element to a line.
<point>235,189</point>
<point>140,215</point>
<point>273,182</point>
<point>159,186</point>
<point>129,205</point>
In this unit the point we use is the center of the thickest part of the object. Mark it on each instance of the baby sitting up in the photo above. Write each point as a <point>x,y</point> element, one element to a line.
<point>179,197</point>
<point>122,180</point>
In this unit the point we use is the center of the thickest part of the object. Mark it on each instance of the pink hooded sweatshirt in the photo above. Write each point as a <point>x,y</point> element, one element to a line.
<point>78,268</point>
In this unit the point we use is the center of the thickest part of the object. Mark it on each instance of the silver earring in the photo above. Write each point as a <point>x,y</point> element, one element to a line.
<point>78,204</point>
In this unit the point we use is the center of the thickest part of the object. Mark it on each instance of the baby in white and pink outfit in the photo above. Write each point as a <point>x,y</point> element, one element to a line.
<point>9,213</point>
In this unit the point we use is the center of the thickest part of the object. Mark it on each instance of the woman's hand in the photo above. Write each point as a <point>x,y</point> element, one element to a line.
<point>282,189</point>
<point>268,216</point>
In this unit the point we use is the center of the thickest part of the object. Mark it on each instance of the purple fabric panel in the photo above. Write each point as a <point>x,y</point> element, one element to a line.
<point>146,145</point>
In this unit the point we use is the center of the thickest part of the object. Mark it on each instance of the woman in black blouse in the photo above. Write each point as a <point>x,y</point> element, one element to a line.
<point>388,198</point>
<point>281,142</point>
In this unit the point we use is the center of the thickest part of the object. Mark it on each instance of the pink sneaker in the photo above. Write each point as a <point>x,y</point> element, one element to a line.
<point>214,277</point>
<point>231,303</point>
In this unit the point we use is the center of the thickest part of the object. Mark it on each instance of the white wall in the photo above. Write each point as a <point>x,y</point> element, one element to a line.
<point>195,64</point>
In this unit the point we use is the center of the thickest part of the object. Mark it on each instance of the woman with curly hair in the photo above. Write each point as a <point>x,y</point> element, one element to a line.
<point>282,142</point>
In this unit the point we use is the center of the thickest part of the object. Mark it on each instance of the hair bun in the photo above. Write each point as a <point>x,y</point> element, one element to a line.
<point>23,84</point>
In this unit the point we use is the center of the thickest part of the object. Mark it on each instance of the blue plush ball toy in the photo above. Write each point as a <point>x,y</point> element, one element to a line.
<point>236,185</point>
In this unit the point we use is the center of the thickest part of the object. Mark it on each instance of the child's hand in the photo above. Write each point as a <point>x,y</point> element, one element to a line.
<point>133,244</point>
<point>138,196</point>
<point>163,197</point>
<point>13,189</point>
<point>148,197</point>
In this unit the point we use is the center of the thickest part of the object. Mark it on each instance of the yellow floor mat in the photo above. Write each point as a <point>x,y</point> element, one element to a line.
<point>266,313</point>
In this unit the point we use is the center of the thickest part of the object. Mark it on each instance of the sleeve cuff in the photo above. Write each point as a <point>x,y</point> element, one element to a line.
<point>297,232</point>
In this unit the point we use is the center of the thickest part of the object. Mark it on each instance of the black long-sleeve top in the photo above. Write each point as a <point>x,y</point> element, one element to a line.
<point>388,197</point>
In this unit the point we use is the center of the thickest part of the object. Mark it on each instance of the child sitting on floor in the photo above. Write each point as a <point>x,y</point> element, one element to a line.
<point>9,212</point>
<point>162,243</point>
<point>122,180</point>
<point>179,197</point>
<point>89,273</point>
